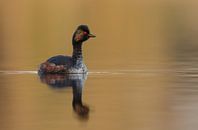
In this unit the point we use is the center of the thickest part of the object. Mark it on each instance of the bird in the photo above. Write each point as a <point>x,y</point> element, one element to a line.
<point>62,64</point>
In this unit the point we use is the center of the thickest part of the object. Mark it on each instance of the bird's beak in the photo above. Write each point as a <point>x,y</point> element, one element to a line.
<point>91,35</point>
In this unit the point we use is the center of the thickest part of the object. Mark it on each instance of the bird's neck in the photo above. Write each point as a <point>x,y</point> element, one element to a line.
<point>77,52</point>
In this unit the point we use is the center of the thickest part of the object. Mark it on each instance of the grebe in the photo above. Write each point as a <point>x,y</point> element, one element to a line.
<point>69,64</point>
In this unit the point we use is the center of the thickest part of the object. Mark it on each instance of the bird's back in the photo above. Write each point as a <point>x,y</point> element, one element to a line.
<point>60,60</point>
<point>62,64</point>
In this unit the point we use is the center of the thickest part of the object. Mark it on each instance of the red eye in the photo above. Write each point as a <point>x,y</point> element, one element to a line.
<point>85,33</point>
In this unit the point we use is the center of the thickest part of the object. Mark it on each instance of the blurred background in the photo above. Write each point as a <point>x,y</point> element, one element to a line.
<point>146,51</point>
<point>146,31</point>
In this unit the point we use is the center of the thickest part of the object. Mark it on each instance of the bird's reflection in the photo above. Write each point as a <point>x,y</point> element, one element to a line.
<point>76,81</point>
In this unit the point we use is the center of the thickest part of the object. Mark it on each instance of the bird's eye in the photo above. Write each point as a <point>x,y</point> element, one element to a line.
<point>85,33</point>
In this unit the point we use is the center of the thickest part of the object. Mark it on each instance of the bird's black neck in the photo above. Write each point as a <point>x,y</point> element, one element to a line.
<point>77,51</point>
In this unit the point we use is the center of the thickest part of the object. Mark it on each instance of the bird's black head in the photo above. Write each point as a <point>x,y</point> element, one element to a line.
<point>82,34</point>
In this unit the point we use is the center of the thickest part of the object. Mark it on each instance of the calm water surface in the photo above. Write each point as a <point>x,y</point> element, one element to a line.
<point>143,65</point>
<point>157,98</point>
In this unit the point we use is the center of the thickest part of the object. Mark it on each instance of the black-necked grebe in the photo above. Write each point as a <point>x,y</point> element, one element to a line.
<point>69,64</point>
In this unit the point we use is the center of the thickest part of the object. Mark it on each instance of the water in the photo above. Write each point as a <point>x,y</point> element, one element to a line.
<point>129,99</point>
<point>143,65</point>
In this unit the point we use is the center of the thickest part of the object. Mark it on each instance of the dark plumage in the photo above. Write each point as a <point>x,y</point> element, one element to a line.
<point>69,64</point>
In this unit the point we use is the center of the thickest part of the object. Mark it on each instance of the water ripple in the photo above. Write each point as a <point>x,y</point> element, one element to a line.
<point>178,72</point>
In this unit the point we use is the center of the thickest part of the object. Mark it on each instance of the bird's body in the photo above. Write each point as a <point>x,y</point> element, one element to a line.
<point>69,64</point>
<point>60,59</point>
<point>64,64</point>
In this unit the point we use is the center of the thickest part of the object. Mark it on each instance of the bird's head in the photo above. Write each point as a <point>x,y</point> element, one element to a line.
<point>82,34</point>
